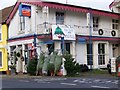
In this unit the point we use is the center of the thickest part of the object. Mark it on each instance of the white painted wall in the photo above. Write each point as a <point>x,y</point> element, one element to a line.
<point>76,19</point>
<point>30,26</point>
<point>81,54</point>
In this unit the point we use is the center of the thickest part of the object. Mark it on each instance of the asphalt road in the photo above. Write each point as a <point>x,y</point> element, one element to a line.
<point>59,82</point>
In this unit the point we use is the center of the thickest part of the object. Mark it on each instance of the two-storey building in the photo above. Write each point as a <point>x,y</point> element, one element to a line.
<point>90,35</point>
<point>3,38</point>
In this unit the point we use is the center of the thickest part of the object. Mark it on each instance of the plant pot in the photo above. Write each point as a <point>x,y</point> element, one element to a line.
<point>13,71</point>
<point>8,72</point>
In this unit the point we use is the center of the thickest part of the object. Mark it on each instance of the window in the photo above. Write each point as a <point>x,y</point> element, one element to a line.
<point>0,33</point>
<point>95,23</point>
<point>22,23</point>
<point>101,53</point>
<point>89,54</point>
<point>115,24</point>
<point>1,59</point>
<point>67,47</point>
<point>59,18</point>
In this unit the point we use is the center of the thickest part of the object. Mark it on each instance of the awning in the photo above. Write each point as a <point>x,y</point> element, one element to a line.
<point>47,42</point>
<point>81,40</point>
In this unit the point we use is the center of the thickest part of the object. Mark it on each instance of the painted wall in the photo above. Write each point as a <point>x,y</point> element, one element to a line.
<point>30,24</point>
<point>75,19</point>
<point>81,54</point>
<point>3,48</point>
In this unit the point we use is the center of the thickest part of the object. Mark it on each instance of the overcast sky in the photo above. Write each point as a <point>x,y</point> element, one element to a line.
<point>96,4</point>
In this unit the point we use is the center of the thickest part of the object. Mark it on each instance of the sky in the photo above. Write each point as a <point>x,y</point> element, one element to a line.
<point>95,4</point>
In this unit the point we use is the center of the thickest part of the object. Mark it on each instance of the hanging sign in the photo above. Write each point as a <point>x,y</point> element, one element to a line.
<point>65,31</point>
<point>25,10</point>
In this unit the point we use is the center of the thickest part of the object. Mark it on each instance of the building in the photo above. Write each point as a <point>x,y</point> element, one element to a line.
<point>92,36</point>
<point>114,6</point>
<point>3,38</point>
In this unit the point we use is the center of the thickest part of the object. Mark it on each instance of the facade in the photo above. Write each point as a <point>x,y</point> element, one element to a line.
<point>3,38</point>
<point>91,36</point>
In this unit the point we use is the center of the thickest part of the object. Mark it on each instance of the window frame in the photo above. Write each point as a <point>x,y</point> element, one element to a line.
<point>115,24</point>
<point>22,23</point>
<point>95,22</point>
<point>60,20</point>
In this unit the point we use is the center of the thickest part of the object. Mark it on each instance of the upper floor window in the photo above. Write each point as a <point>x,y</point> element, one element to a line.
<point>0,33</point>
<point>115,24</point>
<point>22,23</point>
<point>95,22</point>
<point>59,18</point>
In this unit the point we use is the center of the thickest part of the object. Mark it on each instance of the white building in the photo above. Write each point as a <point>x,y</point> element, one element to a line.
<point>84,25</point>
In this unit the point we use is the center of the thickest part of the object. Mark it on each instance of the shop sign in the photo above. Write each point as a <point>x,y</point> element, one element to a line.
<point>25,10</point>
<point>65,31</point>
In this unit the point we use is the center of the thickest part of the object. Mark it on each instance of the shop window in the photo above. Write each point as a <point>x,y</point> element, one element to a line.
<point>1,59</point>
<point>89,54</point>
<point>22,23</point>
<point>101,53</point>
<point>59,18</point>
<point>115,24</point>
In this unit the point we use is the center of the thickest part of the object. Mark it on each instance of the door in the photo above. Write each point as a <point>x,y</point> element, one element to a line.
<point>67,47</point>
<point>101,54</point>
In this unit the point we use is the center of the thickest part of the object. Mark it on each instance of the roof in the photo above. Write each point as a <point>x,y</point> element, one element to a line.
<point>114,3</point>
<point>4,13</point>
<point>61,6</point>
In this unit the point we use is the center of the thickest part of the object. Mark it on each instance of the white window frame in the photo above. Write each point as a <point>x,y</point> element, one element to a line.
<point>115,24</point>
<point>2,59</point>
<point>22,23</point>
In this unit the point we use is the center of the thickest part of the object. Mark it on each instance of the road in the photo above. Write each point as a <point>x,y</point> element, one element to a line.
<point>60,82</point>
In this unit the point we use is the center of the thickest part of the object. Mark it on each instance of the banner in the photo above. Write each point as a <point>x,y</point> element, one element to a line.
<point>65,31</point>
